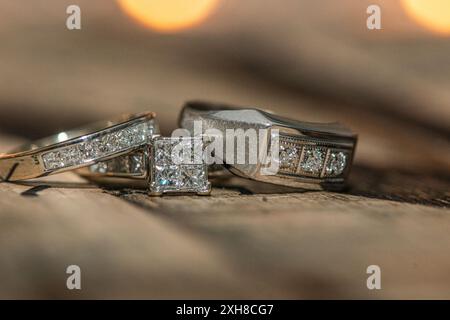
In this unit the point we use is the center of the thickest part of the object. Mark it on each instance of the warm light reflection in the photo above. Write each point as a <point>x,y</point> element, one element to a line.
<point>168,15</point>
<point>433,14</point>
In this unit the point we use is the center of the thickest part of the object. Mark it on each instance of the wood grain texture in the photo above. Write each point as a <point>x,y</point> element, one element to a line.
<point>247,240</point>
<point>123,251</point>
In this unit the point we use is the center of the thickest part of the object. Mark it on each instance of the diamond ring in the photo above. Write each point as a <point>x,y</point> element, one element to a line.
<point>181,170</point>
<point>305,155</point>
<point>78,148</point>
<point>166,164</point>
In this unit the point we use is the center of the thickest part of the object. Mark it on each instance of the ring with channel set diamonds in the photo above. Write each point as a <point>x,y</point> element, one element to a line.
<point>159,167</point>
<point>310,155</point>
<point>78,148</point>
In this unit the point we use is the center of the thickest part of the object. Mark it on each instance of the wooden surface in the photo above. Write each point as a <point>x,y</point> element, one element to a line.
<point>246,240</point>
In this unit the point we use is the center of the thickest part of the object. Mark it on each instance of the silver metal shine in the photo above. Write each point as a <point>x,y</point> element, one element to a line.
<point>78,148</point>
<point>325,150</point>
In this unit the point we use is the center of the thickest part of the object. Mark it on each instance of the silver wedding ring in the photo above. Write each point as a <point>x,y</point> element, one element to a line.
<point>308,155</point>
<point>78,148</point>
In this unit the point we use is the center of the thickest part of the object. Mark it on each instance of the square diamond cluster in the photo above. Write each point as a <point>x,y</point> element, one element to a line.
<point>178,166</point>
<point>296,157</point>
<point>104,145</point>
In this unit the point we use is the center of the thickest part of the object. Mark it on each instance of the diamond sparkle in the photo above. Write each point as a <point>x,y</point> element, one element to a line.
<point>133,163</point>
<point>313,160</point>
<point>100,146</point>
<point>336,163</point>
<point>173,168</point>
<point>288,155</point>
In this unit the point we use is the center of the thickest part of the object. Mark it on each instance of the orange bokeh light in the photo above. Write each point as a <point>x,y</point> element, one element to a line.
<point>168,15</point>
<point>432,14</point>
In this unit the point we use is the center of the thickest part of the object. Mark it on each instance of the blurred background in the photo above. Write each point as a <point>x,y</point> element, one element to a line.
<point>309,60</point>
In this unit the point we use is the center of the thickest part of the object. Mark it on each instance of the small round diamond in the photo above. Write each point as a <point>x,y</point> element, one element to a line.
<point>336,164</point>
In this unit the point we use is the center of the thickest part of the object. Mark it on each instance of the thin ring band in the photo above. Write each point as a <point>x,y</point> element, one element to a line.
<point>78,148</point>
<point>311,155</point>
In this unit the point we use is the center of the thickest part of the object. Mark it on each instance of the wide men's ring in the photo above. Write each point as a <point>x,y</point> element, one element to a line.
<point>78,148</point>
<point>310,155</point>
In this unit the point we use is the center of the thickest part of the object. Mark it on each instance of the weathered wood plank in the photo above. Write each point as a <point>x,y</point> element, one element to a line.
<point>319,244</point>
<point>123,250</point>
<point>246,240</point>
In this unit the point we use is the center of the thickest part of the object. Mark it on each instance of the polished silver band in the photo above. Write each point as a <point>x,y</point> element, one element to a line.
<point>311,155</point>
<point>78,148</point>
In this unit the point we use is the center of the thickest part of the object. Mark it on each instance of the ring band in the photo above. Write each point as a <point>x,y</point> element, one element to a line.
<point>78,148</point>
<point>311,155</point>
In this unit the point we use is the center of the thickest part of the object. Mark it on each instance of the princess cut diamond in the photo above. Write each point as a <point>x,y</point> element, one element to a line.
<point>193,176</point>
<point>173,169</point>
<point>336,163</point>
<point>167,177</point>
<point>313,159</point>
<point>52,160</point>
<point>288,155</point>
<point>136,163</point>
<point>289,150</point>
